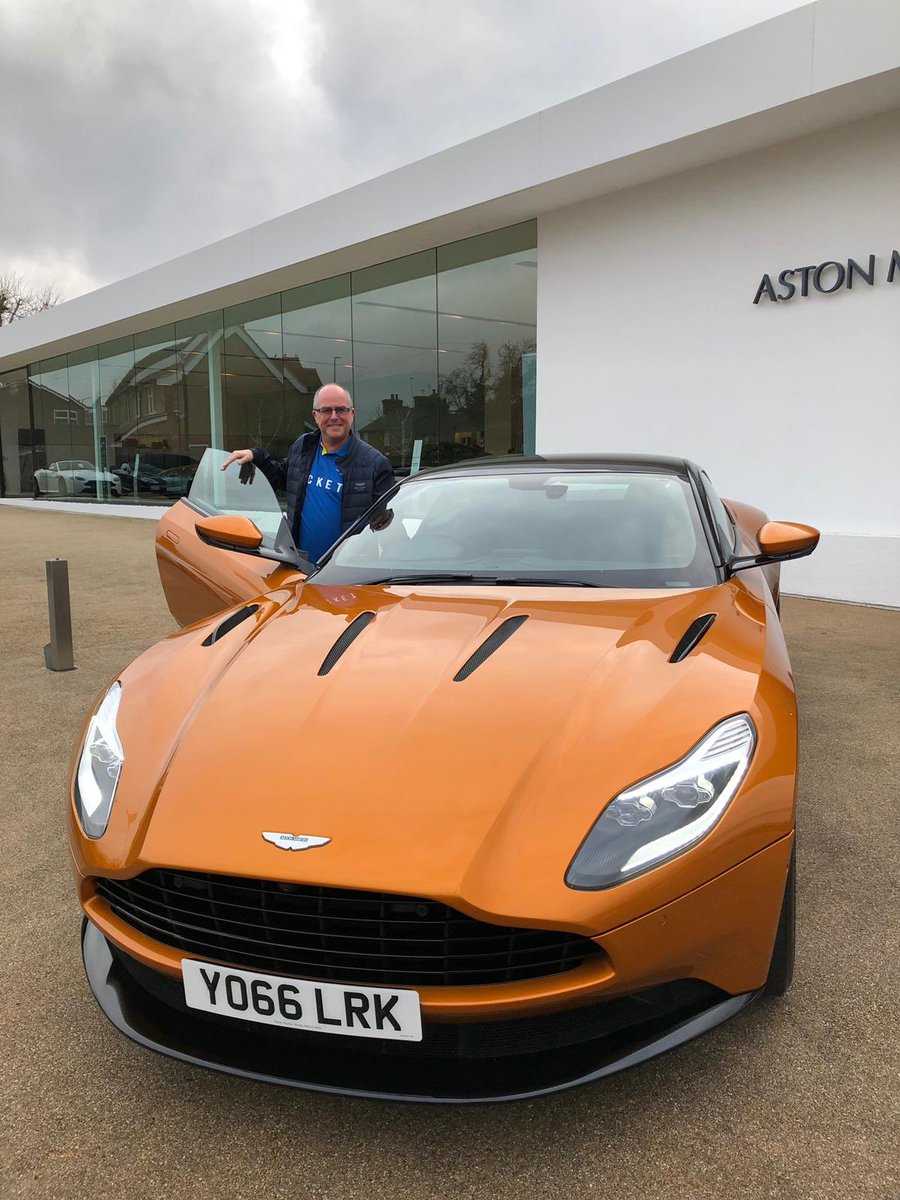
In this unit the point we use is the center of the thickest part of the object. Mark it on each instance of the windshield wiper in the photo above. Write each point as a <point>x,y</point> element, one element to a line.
<point>424,577</point>
<point>530,581</point>
<point>458,577</point>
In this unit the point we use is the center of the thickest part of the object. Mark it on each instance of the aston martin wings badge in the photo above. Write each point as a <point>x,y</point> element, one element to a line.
<point>295,841</point>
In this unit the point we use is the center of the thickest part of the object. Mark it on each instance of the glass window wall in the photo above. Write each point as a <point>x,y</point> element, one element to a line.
<point>144,412</point>
<point>487,301</point>
<point>318,348</point>
<point>21,453</point>
<point>199,344</point>
<point>395,373</point>
<point>115,415</point>
<point>91,478</point>
<point>54,419</point>
<point>436,348</point>
<point>253,373</point>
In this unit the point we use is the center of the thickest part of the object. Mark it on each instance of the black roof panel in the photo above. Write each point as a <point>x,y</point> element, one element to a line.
<point>543,462</point>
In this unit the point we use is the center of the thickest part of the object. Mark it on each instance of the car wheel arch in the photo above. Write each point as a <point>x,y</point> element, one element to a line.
<point>781,968</point>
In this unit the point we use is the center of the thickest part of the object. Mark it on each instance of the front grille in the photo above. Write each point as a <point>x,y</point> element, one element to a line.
<point>333,934</point>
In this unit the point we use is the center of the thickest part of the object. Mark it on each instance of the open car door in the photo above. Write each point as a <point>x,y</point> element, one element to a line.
<point>200,579</point>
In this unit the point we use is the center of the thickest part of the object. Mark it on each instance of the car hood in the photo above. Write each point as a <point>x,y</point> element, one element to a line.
<point>426,784</point>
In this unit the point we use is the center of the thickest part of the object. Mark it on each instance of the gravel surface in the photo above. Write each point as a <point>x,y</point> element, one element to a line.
<point>794,1099</point>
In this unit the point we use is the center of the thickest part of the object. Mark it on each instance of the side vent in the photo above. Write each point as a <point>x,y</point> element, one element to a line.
<point>347,638</point>
<point>692,636</point>
<point>488,646</point>
<point>229,623</point>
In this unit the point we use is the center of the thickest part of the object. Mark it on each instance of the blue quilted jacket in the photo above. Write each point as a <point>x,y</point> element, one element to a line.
<point>367,474</point>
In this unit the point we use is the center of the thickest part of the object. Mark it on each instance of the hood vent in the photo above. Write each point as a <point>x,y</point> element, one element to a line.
<point>347,638</point>
<point>229,623</point>
<point>692,636</point>
<point>488,646</point>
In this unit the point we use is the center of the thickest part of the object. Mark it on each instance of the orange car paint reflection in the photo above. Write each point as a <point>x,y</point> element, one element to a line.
<point>785,537</point>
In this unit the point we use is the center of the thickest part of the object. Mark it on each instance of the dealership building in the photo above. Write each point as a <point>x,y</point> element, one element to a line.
<point>701,260</point>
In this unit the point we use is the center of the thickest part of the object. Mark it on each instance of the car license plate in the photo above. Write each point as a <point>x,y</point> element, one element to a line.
<point>302,1003</point>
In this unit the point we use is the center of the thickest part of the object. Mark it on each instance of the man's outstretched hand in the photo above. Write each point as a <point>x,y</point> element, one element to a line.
<point>245,458</point>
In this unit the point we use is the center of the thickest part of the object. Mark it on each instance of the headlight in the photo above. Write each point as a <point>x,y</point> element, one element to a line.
<point>662,816</point>
<point>99,766</point>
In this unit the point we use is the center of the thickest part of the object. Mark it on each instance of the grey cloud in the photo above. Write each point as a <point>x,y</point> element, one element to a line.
<point>413,77</point>
<point>164,136</point>
<point>141,130</point>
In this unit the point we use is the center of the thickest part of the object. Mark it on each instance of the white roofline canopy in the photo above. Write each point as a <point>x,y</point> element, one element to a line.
<point>827,63</point>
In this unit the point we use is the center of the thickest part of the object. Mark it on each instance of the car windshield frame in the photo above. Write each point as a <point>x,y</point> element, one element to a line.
<point>702,569</point>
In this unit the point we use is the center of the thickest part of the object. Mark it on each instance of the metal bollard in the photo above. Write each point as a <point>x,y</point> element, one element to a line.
<point>59,654</point>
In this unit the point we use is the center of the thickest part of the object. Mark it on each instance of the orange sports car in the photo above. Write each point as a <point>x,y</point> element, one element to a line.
<point>496,798</point>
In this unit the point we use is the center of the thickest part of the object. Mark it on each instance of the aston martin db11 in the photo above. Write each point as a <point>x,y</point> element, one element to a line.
<point>496,797</point>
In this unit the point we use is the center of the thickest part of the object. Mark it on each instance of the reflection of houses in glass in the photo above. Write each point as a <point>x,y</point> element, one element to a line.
<point>144,412</point>
<point>60,409</point>
<point>69,422</point>
<point>152,407</point>
<point>446,435</point>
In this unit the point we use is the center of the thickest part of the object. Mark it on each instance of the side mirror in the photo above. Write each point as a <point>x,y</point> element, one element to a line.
<point>230,532</point>
<point>779,541</point>
<point>786,537</point>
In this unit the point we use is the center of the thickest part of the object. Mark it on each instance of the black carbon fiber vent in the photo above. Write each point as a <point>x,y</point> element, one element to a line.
<point>335,934</point>
<point>229,623</point>
<point>347,638</point>
<point>488,646</point>
<point>692,636</point>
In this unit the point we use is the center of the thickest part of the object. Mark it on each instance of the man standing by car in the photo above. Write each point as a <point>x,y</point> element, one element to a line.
<point>331,477</point>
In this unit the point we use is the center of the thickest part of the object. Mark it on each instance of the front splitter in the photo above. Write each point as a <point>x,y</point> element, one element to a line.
<point>265,1055</point>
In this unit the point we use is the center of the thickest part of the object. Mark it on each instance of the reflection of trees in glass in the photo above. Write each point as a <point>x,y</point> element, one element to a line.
<point>265,420</point>
<point>463,390</point>
<point>487,388</point>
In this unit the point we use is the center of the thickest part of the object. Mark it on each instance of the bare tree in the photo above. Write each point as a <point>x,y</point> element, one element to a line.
<point>18,299</point>
<point>463,389</point>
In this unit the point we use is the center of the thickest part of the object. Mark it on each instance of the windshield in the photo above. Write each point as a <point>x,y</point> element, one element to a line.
<point>241,492</point>
<point>586,528</point>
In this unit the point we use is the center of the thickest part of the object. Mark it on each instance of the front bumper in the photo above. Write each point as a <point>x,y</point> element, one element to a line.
<point>89,488</point>
<point>462,1063</point>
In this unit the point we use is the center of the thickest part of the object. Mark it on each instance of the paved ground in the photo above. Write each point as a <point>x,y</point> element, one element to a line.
<point>795,1099</point>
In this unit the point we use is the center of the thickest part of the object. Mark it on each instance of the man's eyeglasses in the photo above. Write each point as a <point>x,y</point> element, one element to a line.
<point>339,410</point>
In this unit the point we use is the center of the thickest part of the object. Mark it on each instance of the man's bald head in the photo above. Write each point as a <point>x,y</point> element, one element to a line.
<point>332,393</point>
<point>333,413</point>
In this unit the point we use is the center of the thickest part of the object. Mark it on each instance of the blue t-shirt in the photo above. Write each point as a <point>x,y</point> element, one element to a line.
<point>320,523</point>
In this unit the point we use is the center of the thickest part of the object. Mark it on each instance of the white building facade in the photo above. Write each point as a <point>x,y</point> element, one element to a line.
<point>700,260</point>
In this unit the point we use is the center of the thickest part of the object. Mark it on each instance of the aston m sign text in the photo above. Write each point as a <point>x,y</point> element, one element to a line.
<point>828,277</point>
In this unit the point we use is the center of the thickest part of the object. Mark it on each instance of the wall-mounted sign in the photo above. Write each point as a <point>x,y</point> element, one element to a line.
<point>828,277</point>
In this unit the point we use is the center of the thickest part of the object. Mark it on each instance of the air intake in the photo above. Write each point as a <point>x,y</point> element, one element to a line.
<point>229,623</point>
<point>347,638</point>
<point>488,646</point>
<point>692,636</point>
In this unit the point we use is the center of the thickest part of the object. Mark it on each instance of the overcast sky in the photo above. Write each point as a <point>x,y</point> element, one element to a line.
<point>136,130</point>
